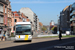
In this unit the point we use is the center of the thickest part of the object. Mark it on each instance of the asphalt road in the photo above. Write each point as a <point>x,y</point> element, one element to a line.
<point>40,44</point>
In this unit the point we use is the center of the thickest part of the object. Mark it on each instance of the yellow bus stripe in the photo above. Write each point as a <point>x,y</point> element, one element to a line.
<point>26,37</point>
<point>19,36</point>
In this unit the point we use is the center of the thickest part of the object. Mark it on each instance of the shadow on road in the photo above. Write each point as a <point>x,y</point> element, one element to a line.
<point>39,45</point>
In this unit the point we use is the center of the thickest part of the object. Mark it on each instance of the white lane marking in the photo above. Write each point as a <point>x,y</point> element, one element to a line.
<point>55,45</point>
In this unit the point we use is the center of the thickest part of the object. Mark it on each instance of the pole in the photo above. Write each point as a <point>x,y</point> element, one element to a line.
<point>58,24</point>
<point>14,23</point>
<point>58,28</point>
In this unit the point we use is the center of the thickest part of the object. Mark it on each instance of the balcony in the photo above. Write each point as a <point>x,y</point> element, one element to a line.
<point>72,19</point>
<point>72,14</point>
<point>9,7</point>
<point>1,13</point>
<point>71,9</point>
<point>73,24</point>
<point>9,15</point>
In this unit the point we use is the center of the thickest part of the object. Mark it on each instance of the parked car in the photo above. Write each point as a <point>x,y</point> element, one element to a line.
<point>68,32</point>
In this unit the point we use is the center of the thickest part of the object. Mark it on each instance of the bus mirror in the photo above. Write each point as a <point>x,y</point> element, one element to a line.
<point>32,33</point>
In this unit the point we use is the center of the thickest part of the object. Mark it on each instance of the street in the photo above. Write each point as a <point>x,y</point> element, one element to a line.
<point>39,44</point>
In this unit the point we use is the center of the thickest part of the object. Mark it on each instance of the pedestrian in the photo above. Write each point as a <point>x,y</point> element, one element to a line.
<point>8,34</point>
<point>4,38</point>
<point>60,35</point>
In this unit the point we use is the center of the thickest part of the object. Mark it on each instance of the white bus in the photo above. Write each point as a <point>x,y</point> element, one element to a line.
<point>23,31</point>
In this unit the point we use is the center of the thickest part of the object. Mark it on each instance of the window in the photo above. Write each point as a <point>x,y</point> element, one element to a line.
<point>5,0</point>
<point>73,5</point>
<point>74,21</point>
<point>73,16</point>
<point>5,9</point>
<point>1,19</point>
<point>15,20</point>
<point>1,7</point>
<point>0,32</point>
<point>73,11</point>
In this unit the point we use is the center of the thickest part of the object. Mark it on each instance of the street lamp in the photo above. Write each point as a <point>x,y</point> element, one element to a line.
<point>58,24</point>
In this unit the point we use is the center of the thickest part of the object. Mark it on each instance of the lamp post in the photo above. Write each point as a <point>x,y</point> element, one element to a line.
<point>58,24</point>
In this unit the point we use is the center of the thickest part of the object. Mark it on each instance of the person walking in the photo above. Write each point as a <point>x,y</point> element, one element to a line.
<point>60,35</point>
<point>4,38</point>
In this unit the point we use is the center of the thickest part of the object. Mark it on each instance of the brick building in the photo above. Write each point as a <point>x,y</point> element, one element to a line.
<point>19,17</point>
<point>4,16</point>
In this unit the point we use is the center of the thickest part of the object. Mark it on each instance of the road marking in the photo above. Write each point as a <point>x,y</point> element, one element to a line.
<point>55,45</point>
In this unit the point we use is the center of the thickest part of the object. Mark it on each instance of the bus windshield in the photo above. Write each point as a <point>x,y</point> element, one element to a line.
<point>23,29</point>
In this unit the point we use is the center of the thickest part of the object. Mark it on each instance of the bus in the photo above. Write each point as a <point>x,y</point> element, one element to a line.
<point>23,31</point>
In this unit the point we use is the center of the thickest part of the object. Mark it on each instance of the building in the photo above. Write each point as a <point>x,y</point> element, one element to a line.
<point>9,16</point>
<point>40,26</point>
<point>65,19</point>
<point>25,18</point>
<point>16,18</point>
<point>19,17</point>
<point>32,17</point>
<point>51,24</point>
<point>72,18</point>
<point>29,13</point>
<point>4,16</point>
<point>36,22</point>
<point>38,29</point>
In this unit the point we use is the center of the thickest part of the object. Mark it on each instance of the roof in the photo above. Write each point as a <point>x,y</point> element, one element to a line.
<point>65,8</point>
<point>23,23</point>
<point>17,14</point>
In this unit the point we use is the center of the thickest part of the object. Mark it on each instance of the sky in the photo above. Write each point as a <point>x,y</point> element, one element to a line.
<point>46,10</point>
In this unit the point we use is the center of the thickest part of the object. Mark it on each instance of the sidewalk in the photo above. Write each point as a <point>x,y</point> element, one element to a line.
<point>50,35</point>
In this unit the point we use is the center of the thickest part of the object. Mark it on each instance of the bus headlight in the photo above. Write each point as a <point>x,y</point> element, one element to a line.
<point>16,36</point>
<point>30,36</point>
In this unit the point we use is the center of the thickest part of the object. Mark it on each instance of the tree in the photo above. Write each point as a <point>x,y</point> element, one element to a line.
<point>44,29</point>
<point>53,28</point>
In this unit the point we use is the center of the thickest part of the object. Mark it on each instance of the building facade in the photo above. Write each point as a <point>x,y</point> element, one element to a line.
<point>9,16</point>
<point>18,17</point>
<point>65,19</point>
<point>36,22</point>
<point>32,17</point>
<point>29,13</point>
<point>51,24</point>
<point>72,18</point>
<point>4,16</point>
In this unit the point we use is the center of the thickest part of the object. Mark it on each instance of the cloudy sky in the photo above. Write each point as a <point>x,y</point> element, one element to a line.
<point>46,10</point>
